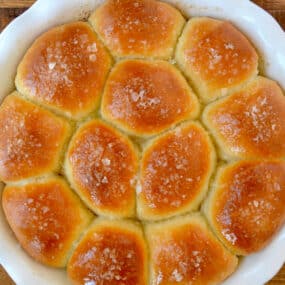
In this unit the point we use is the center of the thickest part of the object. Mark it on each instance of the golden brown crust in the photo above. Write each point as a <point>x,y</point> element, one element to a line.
<point>101,164</point>
<point>67,60</point>
<point>250,123</point>
<point>46,217</point>
<point>141,28</point>
<point>147,97</point>
<point>121,170</point>
<point>111,252</point>
<point>31,139</point>
<point>175,172</point>
<point>246,205</point>
<point>216,57</point>
<point>183,251</point>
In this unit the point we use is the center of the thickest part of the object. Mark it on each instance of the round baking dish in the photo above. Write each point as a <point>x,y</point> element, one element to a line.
<point>260,27</point>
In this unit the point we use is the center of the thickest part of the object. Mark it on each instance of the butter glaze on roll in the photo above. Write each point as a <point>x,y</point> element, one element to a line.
<point>184,251</point>
<point>144,98</point>
<point>141,28</point>
<point>246,204</point>
<point>31,139</point>
<point>101,165</point>
<point>111,252</point>
<point>249,123</point>
<point>46,217</point>
<point>175,171</point>
<point>216,57</point>
<point>119,137</point>
<point>65,69</point>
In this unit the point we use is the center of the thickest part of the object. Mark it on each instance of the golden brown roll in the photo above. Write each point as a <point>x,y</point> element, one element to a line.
<point>31,139</point>
<point>216,57</point>
<point>175,172</point>
<point>249,123</point>
<point>111,252</point>
<point>146,97</point>
<point>65,69</point>
<point>184,251</point>
<point>246,205</point>
<point>46,217</point>
<point>119,136</point>
<point>101,165</point>
<point>141,28</point>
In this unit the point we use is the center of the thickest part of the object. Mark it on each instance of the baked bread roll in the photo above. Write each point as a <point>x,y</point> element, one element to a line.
<point>184,251</point>
<point>175,172</point>
<point>246,205</point>
<point>249,123</point>
<point>101,165</point>
<point>122,133</point>
<point>46,217</point>
<point>146,97</point>
<point>31,139</point>
<point>111,252</point>
<point>216,57</point>
<point>67,60</point>
<point>141,28</point>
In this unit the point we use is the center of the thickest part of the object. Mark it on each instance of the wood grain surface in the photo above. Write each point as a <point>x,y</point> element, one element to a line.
<point>10,9</point>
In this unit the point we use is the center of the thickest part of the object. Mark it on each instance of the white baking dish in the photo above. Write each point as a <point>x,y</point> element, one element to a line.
<point>260,27</point>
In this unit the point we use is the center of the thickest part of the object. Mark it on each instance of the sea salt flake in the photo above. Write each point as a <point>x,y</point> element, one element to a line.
<point>105,180</point>
<point>51,65</point>
<point>277,186</point>
<point>106,161</point>
<point>229,46</point>
<point>159,278</point>
<point>92,57</point>
<point>177,276</point>
<point>129,255</point>
<point>263,102</point>
<point>92,48</point>
<point>273,127</point>
<point>231,237</point>
<point>137,96</point>
<point>45,209</point>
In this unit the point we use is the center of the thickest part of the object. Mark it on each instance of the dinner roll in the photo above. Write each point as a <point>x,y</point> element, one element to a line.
<point>46,217</point>
<point>175,171</point>
<point>105,118</point>
<point>146,97</point>
<point>249,123</point>
<point>246,205</point>
<point>184,251</point>
<point>111,252</point>
<point>31,139</point>
<point>101,165</point>
<point>65,69</point>
<point>216,57</point>
<point>140,28</point>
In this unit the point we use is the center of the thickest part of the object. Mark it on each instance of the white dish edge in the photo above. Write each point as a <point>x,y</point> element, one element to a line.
<point>261,28</point>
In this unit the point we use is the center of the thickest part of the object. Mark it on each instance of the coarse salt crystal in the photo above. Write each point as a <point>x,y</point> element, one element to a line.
<point>177,276</point>
<point>51,65</point>
<point>92,57</point>
<point>106,161</point>
<point>104,180</point>
<point>229,46</point>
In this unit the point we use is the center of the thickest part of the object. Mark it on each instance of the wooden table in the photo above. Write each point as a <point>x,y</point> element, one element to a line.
<point>10,9</point>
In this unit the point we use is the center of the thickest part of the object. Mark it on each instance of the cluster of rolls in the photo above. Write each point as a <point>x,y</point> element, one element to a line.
<point>104,123</point>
